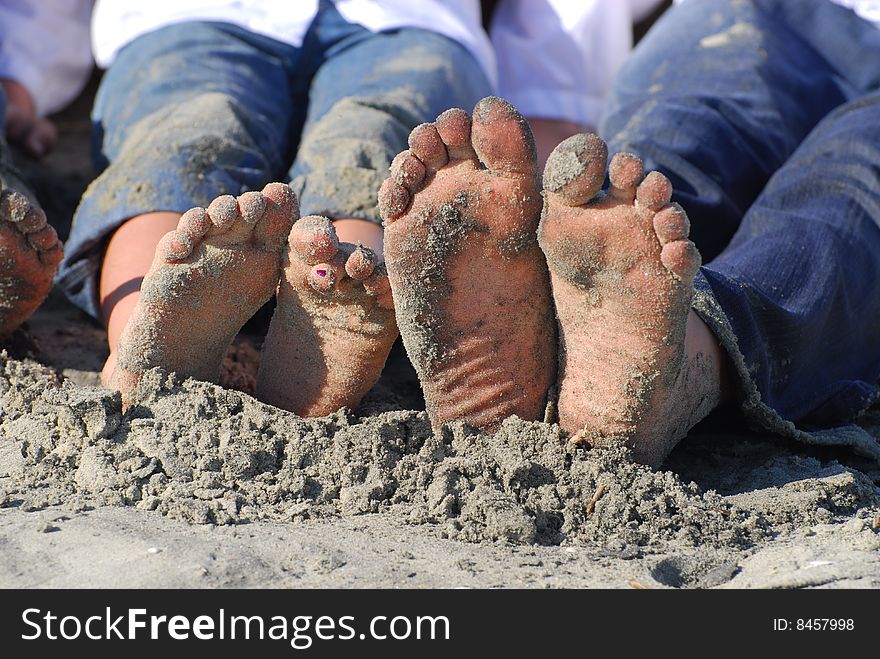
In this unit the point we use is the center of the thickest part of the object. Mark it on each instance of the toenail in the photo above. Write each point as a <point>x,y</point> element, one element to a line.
<point>322,279</point>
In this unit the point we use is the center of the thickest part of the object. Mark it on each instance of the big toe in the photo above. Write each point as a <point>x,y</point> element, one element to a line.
<point>315,256</point>
<point>314,239</point>
<point>575,169</point>
<point>502,138</point>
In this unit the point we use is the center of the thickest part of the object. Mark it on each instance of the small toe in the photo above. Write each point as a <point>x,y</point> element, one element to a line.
<point>654,192</point>
<point>251,206</point>
<point>575,169</point>
<point>361,263</point>
<point>323,277</point>
<point>671,224</point>
<point>34,220</point>
<point>175,246</point>
<point>454,128</point>
<point>625,173</point>
<point>223,212</point>
<point>408,171</point>
<point>314,239</point>
<point>379,286</point>
<point>52,256</point>
<point>43,239</point>
<point>681,258</point>
<point>195,223</point>
<point>425,143</point>
<point>393,200</point>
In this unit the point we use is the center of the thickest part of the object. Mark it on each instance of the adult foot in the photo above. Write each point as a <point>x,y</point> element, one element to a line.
<point>622,270</point>
<point>29,256</point>
<point>471,288</point>
<point>333,327</point>
<point>207,278</point>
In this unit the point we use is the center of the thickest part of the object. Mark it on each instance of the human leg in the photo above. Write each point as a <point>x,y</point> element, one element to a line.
<point>793,299</point>
<point>185,114</point>
<point>207,277</point>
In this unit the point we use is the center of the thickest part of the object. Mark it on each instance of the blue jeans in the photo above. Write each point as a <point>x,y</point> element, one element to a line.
<point>766,117</point>
<point>197,110</point>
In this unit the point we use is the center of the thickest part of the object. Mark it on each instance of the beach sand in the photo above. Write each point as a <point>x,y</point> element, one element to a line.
<point>203,486</point>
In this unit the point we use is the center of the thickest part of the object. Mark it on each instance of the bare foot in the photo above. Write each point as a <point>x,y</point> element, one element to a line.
<point>207,278</point>
<point>622,271</point>
<point>333,327</point>
<point>471,289</point>
<point>29,256</point>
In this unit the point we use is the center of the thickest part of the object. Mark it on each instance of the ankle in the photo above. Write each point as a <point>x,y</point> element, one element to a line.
<point>701,344</point>
<point>368,234</point>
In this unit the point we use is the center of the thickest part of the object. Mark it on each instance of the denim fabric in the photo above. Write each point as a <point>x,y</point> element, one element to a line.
<point>200,109</point>
<point>766,117</point>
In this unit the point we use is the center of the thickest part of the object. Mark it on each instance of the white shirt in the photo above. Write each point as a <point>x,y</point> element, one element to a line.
<point>557,58</point>
<point>44,45</point>
<point>867,9</point>
<point>552,58</point>
<point>117,22</point>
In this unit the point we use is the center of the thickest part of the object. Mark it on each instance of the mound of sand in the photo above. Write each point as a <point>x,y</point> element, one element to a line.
<point>207,455</point>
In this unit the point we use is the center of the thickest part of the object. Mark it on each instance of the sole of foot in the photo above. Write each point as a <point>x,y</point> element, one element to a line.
<point>333,327</point>
<point>208,277</point>
<point>29,256</point>
<point>470,284</point>
<point>622,271</point>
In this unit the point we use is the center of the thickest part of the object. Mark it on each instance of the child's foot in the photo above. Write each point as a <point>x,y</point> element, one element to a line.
<point>29,256</point>
<point>622,270</point>
<point>471,290</point>
<point>208,277</point>
<point>333,327</point>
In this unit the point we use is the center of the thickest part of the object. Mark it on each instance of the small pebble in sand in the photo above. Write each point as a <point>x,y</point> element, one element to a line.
<point>154,550</point>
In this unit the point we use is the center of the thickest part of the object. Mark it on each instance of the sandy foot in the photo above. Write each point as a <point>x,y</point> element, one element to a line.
<point>208,277</point>
<point>29,256</point>
<point>622,271</point>
<point>333,327</point>
<point>470,284</point>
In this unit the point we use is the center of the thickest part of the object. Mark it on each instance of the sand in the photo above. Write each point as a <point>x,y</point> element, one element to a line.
<point>203,486</point>
<point>200,485</point>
